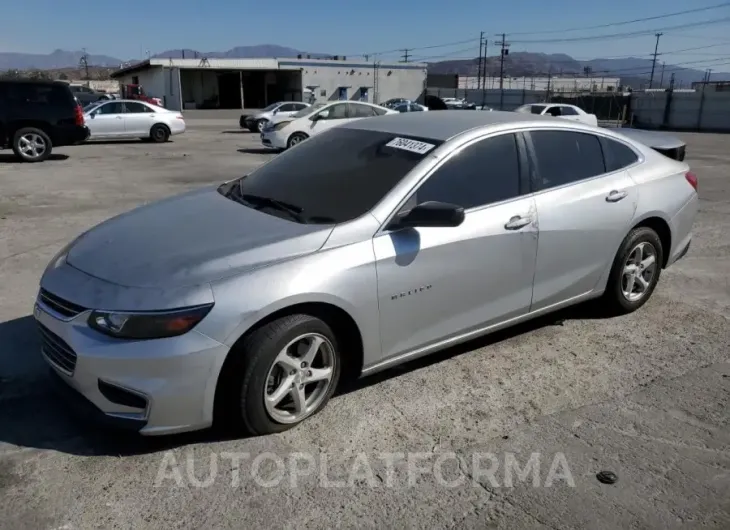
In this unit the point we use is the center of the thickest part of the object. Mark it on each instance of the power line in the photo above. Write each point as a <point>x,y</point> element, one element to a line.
<point>451,55</point>
<point>627,34</point>
<point>430,47</point>
<point>624,22</point>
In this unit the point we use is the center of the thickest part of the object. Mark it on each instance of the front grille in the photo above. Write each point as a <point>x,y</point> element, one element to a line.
<point>57,351</point>
<point>59,305</point>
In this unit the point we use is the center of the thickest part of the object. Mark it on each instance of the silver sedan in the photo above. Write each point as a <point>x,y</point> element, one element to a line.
<point>366,246</point>
<point>122,118</point>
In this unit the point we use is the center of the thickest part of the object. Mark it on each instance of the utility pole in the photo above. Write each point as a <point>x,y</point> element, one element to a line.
<point>84,63</point>
<point>653,62</point>
<point>405,55</point>
<point>503,51</point>
<point>671,82</point>
<point>709,73</point>
<point>661,79</point>
<point>479,68</point>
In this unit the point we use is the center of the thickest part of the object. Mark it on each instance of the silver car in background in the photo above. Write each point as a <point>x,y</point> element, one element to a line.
<point>372,244</point>
<point>282,109</point>
<point>124,118</point>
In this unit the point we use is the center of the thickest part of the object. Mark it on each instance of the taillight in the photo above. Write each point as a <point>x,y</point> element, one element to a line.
<point>79,116</point>
<point>692,179</point>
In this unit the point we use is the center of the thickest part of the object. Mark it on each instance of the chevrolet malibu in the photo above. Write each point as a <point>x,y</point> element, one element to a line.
<point>369,245</point>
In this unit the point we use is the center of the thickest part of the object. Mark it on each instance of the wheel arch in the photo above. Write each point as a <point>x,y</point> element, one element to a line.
<point>302,133</point>
<point>15,126</point>
<point>661,226</point>
<point>343,324</point>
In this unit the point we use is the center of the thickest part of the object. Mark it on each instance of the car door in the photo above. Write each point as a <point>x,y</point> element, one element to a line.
<point>107,120</point>
<point>328,117</point>
<point>569,113</point>
<point>287,109</point>
<point>138,119</point>
<point>584,209</point>
<point>441,283</point>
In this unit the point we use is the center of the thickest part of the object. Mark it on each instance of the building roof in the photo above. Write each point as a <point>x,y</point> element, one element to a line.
<point>445,124</point>
<point>270,63</point>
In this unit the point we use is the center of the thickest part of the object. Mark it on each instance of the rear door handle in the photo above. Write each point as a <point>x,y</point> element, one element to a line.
<point>616,196</point>
<point>517,222</point>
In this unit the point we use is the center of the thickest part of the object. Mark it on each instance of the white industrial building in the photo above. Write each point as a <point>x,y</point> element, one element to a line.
<point>255,83</point>
<point>555,84</point>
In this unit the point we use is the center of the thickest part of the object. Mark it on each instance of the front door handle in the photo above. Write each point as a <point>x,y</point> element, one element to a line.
<point>517,222</point>
<point>616,196</point>
<point>119,117</point>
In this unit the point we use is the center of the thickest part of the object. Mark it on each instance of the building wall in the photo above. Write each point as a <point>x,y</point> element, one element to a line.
<point>151,79</point>
<point>556,84</point>
<point>358,80</point>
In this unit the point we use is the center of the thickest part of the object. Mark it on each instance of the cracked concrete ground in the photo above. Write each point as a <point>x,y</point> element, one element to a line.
<point>444,442</point>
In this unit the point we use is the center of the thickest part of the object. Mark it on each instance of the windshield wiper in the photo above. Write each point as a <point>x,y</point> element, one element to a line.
<point>294,211</point>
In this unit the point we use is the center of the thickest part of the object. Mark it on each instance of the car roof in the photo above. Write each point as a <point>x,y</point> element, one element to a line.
<point>445,124</point>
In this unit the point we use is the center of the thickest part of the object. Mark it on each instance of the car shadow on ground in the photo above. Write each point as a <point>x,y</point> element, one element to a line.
<point>126,141</point>
<point>257,151</point>
<point>10,158</point>
<point>33,416</point>
<point>238,131</point>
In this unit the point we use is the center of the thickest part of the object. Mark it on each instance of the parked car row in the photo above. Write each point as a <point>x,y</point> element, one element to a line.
<point>36,116</point>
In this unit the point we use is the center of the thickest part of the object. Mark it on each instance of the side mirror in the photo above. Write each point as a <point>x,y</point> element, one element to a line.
<point>431,214</point>
<point>93,115</point>
<point>321,116</point>
<point>276,111</point>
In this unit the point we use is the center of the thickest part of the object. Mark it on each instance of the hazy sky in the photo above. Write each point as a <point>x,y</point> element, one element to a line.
<point>127,29</point>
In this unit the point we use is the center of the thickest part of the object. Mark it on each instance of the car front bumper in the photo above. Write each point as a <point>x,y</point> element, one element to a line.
<point>273,140</point>
<point>160,386</point>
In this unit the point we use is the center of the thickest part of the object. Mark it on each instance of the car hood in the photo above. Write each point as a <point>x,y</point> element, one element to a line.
<point>653,139</point>
<point>194,238</point>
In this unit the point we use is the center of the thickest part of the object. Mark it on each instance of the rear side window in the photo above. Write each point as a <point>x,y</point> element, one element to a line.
<point>565,157</point>
<point>360,111</point>
<point>483,173</point>
<point>568,111</point>
<point>132,108</point>
<point>618,155</point>
<point>379,111</point>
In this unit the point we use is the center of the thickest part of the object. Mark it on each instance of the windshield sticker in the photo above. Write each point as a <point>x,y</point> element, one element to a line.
<point>413,146</point>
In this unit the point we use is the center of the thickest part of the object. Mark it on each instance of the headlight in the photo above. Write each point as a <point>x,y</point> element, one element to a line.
<point>148,325</point>
<point>279,126</point>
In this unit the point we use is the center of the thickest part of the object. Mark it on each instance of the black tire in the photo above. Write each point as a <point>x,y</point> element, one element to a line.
<point>35,137</point>
<point>242,385</point>
<point>295,139</point>
<point>260,124</point>
<point>615,301</point>
<point>159,133</point>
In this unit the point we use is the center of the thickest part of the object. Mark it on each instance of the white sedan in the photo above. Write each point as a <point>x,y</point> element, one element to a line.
<point>560,110</point>
<point>122,118</point>
<point>285,133</point>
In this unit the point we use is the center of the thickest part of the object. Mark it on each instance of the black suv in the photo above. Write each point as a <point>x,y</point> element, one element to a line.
<point>36,116</point>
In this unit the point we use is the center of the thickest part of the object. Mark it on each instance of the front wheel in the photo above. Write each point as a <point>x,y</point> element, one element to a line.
<point>281,374</point>
<point>31,145</point>
<point>635,271</point>
<point>159,133</point>
<point>260,124</point>
<point>296,139</point>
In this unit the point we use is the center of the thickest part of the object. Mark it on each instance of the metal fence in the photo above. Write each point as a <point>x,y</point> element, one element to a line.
<point>607,106</point>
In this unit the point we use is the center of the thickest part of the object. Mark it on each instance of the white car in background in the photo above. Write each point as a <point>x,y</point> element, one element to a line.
<point>284,133</point>
<point>559,110</point>
<point>123,119</point>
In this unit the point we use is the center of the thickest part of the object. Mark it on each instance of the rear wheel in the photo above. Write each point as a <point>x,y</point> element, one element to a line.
<point>635,271</point>
<point>159,133</point>
<point>295,139</point>
<point>31,145</point>
<point>279,375</point>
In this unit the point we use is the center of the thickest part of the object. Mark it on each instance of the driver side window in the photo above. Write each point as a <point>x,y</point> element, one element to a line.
<point>483,173</point>
<point>335,112</point>
<point>110,108</point>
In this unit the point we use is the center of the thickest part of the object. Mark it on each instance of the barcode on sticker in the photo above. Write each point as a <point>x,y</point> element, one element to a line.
<point>413,146</point>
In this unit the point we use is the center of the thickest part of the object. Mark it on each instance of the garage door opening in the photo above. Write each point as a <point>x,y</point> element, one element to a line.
<point>264,87</point>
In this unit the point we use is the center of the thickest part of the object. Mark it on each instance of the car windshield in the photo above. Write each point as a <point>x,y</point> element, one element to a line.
<point>331,178</point>
<point>270,107</point>
<point>306,111</point>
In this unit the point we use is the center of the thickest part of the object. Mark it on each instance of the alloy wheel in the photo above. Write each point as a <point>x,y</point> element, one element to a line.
<point>32,145</point>
<point>300,378</point>
<point>639,271</point>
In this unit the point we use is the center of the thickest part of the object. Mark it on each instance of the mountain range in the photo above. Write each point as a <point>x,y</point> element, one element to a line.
<point>632,70</point>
